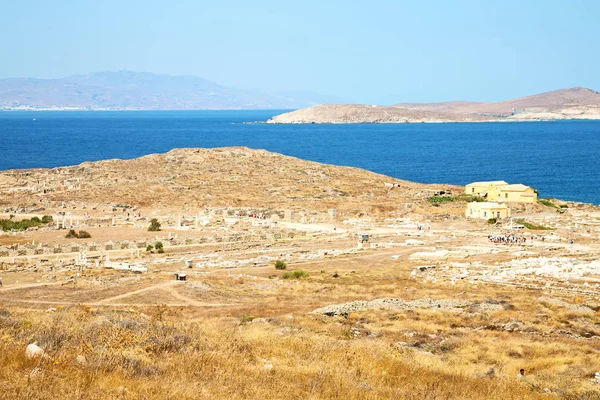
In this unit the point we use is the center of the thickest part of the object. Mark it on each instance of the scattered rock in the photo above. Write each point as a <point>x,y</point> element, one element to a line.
<point>33,351</point>
<point>392,304</point>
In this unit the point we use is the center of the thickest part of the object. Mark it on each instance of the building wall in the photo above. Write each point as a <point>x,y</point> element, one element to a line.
<point>504,196</point>
<point>486,211</point>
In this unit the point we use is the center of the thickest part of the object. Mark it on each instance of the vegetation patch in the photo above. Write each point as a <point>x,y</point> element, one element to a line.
<point>466,198</point>
<point>532,226</point>
<point>280,264</point>
<point>73,234</point>
<point>441,199</point>
<point>10,224</point>
<point>548,202</point>
<point>154,225</point>
<point>297,274</point>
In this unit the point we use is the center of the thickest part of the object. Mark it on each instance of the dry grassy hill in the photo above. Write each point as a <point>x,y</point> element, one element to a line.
<point>236,176</point>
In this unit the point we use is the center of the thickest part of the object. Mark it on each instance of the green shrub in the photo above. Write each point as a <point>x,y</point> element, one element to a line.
<point>492,221</point>
<point>441,199</point>
<point>149,247</point>
<point>10,224</point>
<point>280,264</point>
<point>84,235</point>
<point>247,318</point>
<point>154,225</point>
<point>297,274</point>
<point>529,225</point>
<point>46,219</point>
<point>159,247</point>
<point>547,202</point>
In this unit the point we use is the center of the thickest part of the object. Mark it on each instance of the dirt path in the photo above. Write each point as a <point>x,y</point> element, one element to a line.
<point>146,289</point>
<point>27,286</point>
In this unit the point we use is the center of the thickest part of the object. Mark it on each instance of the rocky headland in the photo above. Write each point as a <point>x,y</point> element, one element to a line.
<point>565,104</point>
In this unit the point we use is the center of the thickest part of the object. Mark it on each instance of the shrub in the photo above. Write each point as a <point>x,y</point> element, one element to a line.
<point>547,202</point>
<point>10,224</point>
<point>154,225</point>
<point>297,274</point>
<point>247,318</point>
<point>149,247</point>
<point>46,219</point>
<point>440,199</point>
<point>529,225</point>
<point>492,221</point>
<point>159,247</point>
<point>72,234</point>
<point>280,264</point>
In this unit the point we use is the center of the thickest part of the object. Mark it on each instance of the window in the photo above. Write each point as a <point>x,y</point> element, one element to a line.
<point>485,213</point>
<point>506,195</point>
<point>472,190</point>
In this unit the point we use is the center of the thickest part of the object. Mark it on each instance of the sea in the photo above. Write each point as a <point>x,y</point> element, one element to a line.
<point>560,159</point>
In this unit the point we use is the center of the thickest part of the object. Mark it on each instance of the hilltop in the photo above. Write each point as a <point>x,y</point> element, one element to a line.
<point>575,103</point>
<point>221,177</point>
<point>126,90</point>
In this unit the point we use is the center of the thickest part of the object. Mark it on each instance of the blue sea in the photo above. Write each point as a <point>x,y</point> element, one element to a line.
<point>560,159</point>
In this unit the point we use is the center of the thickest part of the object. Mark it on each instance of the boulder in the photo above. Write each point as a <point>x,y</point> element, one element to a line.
<point>33,351</point>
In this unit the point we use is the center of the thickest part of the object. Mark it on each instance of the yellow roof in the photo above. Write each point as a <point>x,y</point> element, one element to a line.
<point>488,183</point>
<point>514,188</point>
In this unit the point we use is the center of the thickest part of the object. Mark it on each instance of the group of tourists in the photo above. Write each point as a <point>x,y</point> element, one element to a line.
<point>511,239</point>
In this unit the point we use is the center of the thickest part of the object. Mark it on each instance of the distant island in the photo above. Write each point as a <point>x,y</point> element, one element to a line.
<point>575,103</point>
<point>126,90</point>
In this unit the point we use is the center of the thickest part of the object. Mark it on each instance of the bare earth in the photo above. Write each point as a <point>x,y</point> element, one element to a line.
<point>427,307</point>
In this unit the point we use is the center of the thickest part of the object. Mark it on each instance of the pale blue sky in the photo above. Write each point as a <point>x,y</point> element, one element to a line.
<point>366,51</point>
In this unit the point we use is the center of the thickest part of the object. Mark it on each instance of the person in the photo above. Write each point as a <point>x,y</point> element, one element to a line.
<point>521,374</point>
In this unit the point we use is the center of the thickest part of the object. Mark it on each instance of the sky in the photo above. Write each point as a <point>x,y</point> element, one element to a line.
<point>372,52</point>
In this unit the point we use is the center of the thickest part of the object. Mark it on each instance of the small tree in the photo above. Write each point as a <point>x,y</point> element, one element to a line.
<point>46,219</point>
<point>149,247</point>
<point>154,225</point>
<point>159,247</point>
<point>280,264</point>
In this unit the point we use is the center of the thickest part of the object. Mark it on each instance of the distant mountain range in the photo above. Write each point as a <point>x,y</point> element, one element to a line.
<point>574,103</point>
<point>125,90</point>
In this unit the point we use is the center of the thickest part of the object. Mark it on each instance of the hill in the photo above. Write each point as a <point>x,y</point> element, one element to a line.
<point>125,90</point>
<point>222,177</point>
<point>575,103</point>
